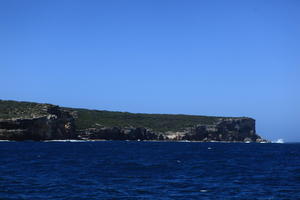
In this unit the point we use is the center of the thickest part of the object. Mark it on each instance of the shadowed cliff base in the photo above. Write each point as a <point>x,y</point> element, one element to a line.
<point>35,121</point>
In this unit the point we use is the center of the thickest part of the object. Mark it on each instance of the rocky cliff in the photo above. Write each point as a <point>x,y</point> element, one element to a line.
<point>45,122</point>
<point>235,129</point>
<point>32,121</point>
<point>116,133</point>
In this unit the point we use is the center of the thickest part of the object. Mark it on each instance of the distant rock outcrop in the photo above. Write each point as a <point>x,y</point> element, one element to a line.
<point>53,124</point>
<point>235,129</point>
<point>115,133</point>
<point>33,121</point>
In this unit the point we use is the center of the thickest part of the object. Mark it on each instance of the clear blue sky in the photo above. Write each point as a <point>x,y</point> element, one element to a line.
<point>223,58</point>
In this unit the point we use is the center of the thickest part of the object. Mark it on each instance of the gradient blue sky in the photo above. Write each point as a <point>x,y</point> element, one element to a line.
<point>223,58</point>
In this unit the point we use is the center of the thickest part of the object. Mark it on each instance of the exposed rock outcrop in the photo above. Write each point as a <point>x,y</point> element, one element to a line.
<point>231,129</point>
<point>33,121</point>
<point>115,133</point>
<point>54,125</point>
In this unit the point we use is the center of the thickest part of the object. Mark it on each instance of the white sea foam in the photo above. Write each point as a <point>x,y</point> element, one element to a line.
<point>279,141</point>
<point>65,141</point>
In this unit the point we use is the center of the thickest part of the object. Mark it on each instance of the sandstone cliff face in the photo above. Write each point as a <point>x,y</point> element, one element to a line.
<point>115,133</point>
<point>231,129</point>
<point>55,124</point>
<point>32,121</point>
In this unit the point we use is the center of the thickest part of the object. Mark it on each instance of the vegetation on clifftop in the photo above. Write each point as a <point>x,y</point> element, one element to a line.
<point>157,122</point>
<point>20,109</point>
<point>85,118</point>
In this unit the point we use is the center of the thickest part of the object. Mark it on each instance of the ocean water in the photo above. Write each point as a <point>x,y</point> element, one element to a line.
<point>149,170</point>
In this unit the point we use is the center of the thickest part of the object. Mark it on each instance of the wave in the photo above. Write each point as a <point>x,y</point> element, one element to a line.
<point>278,141</point>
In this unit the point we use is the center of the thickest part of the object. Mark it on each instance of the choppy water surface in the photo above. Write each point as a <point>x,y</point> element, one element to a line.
<point>148,170</point>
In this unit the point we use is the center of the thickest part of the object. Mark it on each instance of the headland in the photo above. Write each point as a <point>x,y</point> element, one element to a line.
<point>21,121</point>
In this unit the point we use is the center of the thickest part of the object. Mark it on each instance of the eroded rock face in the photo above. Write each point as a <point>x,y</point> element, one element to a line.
<point>231,129</point>
<point>59,124</point>
<point>33,121</point>
<point>115,133</point>
<point>56,124</point>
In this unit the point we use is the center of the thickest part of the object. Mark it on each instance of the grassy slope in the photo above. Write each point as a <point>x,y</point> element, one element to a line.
<point>92,118</point>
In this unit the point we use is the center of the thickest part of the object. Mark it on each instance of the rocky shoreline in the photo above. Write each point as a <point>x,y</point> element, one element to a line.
<point>49,122</point>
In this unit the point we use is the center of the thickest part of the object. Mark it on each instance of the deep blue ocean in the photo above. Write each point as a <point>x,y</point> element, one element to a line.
<point>149,170</point>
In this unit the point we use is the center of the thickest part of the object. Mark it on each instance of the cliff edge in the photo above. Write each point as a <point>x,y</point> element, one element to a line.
<point>31,121</point>
<point>34,121</point>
